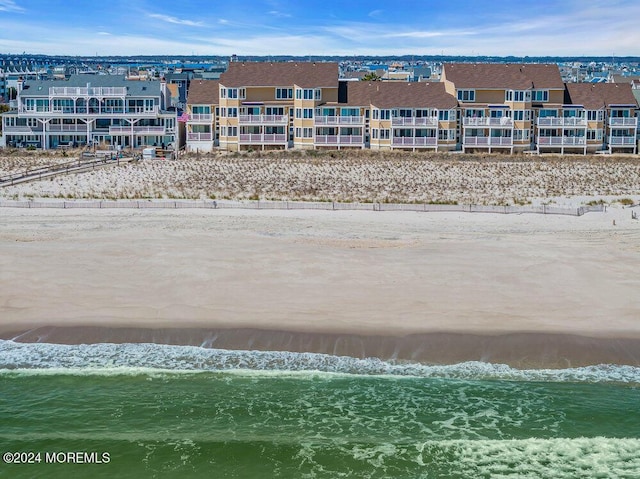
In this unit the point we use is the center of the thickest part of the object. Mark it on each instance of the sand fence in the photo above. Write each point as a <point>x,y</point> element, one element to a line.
<point>299,205</point>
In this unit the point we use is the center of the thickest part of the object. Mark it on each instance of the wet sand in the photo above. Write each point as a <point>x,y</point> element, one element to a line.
<point>527,290</point>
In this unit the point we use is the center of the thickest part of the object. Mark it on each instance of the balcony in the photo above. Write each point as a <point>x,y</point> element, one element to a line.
<point>23,129</point>
<point>414,141</point>
<point>262,138</point>
<point>263,119</point>
<point>562,141</point>
<point>338,120</point>
<point>624,122</point>
<point>622,141</point>
<point>339,140</point>
<point>137,130</point>
<point>424,121</point>
<point>199,136</point>
<point>488,141</point>
<point>66,91</point>
<point>200,118</point>
<point>68,128</point>
<point>562,122</point>
<point>503,122</point>
<point>91,112</point>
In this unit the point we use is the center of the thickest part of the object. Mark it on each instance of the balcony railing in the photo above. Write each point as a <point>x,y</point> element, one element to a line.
<point>622,140</point>
<point>339,140</point>
<point>65,128</point>
<point>339,120</point>
<point>199,136</point>
<point>488,141</point>
<point>84,111</point>
<point>562,141</point>
<point>623,121</point>
<point>555,121</point>
<point>263,119</point>
<point>23,129</point>
<point>259,138</point>
<point>424,121</point>
<point>61,91</point>
<point>137,130</point>
<point>414,141</point>
<point>503,122</point>
<point>200,118</point>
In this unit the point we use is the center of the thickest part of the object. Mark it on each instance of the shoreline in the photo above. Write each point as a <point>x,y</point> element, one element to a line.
<point>523,350</point>
<point>527,290</point>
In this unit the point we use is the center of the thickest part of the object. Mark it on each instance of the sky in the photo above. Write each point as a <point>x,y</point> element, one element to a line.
<point>321,27</point>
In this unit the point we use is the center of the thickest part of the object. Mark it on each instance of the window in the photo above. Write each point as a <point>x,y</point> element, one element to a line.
<point>223,112</point>
<point>548,114</point>
<point>443,115</point>
<point>620,114</point>
<point>595,115</point>
<point>384,134</point>
<point>385,114</point>
<point>304,94</point>
<point>594,135</point>
<point>405,113</point>
<point>521,134</point>
<point>284,93</point>
<point>232,112</point>
<point>307,132</point>
<point>540,95</point>
<point>466,95</point>
<point>232,93</point>
<point>521,115</point>
<point>517,95</point>
<point>374,133</point>
<point>274,110</point>
<point>446,134</point>
<point>376,114</point>
<point>318,94</point>
<point>232,130</point>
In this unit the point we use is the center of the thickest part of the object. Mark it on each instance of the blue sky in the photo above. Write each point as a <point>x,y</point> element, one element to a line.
<point>328,27</point>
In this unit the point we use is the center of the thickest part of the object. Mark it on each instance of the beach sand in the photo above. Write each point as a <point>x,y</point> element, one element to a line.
<point>526,290</point>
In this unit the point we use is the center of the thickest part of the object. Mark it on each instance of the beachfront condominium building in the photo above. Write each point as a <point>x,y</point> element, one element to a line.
<point>498,103</point>
<point>88,110</point>
<point>201,116</point>
<point>596,117</point>
<point>267,105</point>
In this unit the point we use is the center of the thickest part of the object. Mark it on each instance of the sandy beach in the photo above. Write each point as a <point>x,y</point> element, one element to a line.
<point>527,289</point>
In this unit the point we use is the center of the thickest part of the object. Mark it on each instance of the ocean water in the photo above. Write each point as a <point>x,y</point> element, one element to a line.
<point>147,410</point>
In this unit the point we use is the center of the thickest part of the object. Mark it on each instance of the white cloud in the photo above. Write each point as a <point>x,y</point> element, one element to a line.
<point>177,21</point>
<point>10,6</point>
<point>375,13</point>
<point>278,14</point>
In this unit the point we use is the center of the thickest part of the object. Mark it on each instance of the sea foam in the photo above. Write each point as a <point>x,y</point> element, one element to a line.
<point>148,358</point>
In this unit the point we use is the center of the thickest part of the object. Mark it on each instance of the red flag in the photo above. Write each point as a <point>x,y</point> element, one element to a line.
<point>184,117</point>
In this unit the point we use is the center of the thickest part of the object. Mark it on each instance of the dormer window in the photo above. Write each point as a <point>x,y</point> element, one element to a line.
<point>517,95</point>
<point>466,95</point>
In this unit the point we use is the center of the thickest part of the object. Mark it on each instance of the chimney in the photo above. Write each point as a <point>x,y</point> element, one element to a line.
<point>19,85</point>
<point>163,94</point>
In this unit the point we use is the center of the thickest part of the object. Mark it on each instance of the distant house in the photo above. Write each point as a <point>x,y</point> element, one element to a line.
<point>86,110</point>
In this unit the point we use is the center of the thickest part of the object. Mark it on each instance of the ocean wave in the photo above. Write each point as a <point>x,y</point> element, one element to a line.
<point>148,358</point>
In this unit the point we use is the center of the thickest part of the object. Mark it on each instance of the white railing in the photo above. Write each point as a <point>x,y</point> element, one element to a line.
<point>76,128</point>
<point>259,138</point>
<point>91,111</point>
<point>338,140</point>
<point>339,120</point>
<point>504,121</point>
<point>200,117</point>
<point>414,141</point>
<point>623,121</point>
<point>488,141</point>
<point>424,121</point>
<point>90,91</point>
<point>555,121</point>
<point>23,129</point>
<point>622,140</point>
<point>199,136</point>
<point>264,119</point>
<point>119,130</point>
<point>562,141</point>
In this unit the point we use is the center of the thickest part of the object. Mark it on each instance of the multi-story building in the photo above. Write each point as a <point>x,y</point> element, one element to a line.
<point>606,113</point>
<point>490,107</point>
<point>86,110</point>
<point>498,102</point>
<point>202,115</point>
<point>271,105</point>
